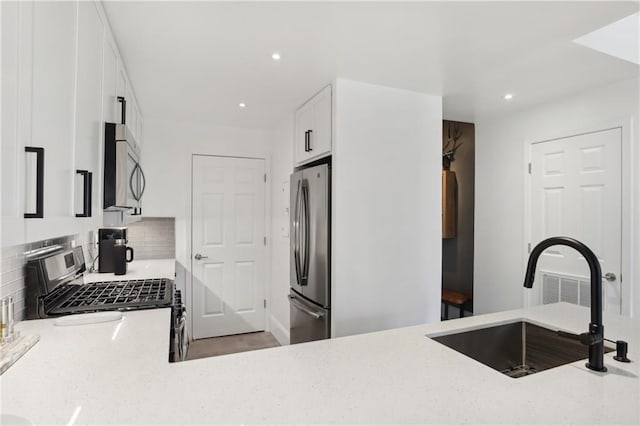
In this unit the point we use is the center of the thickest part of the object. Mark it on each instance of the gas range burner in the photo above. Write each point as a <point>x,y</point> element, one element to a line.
<point>117,295</point>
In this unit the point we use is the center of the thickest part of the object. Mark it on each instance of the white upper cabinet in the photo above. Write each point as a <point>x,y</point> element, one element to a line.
<point>89,117</point>
<point>302,126</point>
<point>61,76</point>
<point>132,112</point>
<point>110,108</point>
<point>313,128</point>
<point>132,115</point>
<point>52,118</point>
<point>139,127</point>
<point>121,89</point>
<point>13,130</point>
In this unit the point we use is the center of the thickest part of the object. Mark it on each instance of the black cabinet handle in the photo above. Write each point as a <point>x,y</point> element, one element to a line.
<point>86,193</point>
<point>306,141</point>
<point>39,213</point>
<point>309,141</point>
<point>123,110</point>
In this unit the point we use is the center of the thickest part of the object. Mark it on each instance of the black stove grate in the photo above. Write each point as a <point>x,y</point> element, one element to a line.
<point>113,295</point>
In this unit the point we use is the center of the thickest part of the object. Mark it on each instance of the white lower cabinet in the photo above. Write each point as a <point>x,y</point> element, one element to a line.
<point>313,128</point>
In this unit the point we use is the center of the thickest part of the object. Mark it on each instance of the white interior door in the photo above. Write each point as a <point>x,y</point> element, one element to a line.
<point>576,192</point>
<point>228,250</point>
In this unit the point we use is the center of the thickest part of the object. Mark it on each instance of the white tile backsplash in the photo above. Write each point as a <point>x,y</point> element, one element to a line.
<point>153,238</point>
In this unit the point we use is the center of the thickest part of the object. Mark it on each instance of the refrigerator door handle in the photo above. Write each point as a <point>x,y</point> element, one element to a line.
<point>301,307</point>
<point>296,234</point>
<point>305,259</point>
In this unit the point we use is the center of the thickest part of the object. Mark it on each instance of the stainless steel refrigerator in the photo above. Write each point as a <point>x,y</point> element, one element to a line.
<point>309,297</point>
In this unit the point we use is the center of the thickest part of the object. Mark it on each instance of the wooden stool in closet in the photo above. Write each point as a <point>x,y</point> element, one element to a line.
<point>453,298</point>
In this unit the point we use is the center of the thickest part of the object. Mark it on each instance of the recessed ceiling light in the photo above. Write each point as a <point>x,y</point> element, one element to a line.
<point>242,105</point>
<point>508,96</point>
<point>275,56</point>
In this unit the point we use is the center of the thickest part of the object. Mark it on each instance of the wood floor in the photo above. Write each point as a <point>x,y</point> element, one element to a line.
<point>224,345</point>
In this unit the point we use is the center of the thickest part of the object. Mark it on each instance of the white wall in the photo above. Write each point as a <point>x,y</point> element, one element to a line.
<point>500,179</point>
<point>166,160</point>
<point>386,230</point>
<point>281,169</point>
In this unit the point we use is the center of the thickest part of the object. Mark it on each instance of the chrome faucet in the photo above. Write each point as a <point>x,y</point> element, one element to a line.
<point>594,338</point>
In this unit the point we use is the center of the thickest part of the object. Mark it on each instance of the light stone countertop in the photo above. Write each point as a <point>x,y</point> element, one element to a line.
<point>138,269</point>
<point>118,373</point>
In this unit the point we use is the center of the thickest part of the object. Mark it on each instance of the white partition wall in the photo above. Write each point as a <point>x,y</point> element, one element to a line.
<point>386,230</point>
<point>501,240</point>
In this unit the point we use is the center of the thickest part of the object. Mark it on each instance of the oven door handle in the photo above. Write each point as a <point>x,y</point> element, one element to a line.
<point>183,341</point>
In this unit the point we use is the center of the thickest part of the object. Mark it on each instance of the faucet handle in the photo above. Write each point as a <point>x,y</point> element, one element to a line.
<point>584,338</point>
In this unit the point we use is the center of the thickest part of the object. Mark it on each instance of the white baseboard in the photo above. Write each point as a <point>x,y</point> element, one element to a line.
<point>279,332</point>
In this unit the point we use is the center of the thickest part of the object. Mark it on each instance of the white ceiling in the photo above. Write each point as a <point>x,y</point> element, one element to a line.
<point>196,61</point>
<point>619,39</point>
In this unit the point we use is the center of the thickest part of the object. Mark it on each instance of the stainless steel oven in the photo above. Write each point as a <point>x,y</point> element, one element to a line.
<point>55,287</point>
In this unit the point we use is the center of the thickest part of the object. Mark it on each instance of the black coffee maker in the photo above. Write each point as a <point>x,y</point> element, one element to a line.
<point>109,257</point>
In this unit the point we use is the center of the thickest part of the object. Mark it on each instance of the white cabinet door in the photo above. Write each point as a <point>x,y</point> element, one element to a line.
<point>320,136</point>
<point>121,88</point>
<point>139,126</point>
<point>110,108</point>
<point>132,117</point>
<point>302,126</point>
<point>52,114</point>
<point>15,124</point>
<point>313,128</point>
<point>89,125</point>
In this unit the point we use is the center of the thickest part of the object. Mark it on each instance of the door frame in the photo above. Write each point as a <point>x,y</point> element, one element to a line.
<point>627,277</point>
<point>189,235</point>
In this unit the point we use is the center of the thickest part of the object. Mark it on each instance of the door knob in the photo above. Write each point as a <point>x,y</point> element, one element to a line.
<point>198,256</point>
<point>609,276</point>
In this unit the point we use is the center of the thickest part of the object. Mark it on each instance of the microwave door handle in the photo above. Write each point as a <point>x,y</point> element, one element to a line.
<point>133,191</point>
<point>144,182</point>
<point>296,234</point>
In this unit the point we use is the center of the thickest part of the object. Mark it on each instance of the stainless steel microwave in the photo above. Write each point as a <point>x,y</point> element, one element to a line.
<point>124,181</point>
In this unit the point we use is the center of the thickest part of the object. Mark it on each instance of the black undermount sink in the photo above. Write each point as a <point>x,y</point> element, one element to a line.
<point>517,349</point>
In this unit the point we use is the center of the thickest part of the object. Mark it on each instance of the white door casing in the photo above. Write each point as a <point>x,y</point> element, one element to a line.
<point>228,208</point>
<point>576,191</point>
